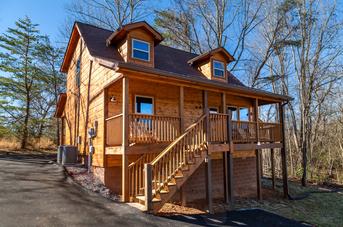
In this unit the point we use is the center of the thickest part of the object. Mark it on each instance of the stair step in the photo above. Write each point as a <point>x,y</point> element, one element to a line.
<point>142,198</point>
<point>161,192</point>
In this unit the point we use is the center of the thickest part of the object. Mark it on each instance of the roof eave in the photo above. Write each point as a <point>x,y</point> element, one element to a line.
<point>236,88</point>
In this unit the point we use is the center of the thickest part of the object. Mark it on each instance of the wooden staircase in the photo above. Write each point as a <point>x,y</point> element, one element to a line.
<point>154,183</point>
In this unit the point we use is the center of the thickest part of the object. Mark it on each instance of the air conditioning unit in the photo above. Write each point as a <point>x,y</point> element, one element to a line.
<point>69,155</point>
<point>59,153</point>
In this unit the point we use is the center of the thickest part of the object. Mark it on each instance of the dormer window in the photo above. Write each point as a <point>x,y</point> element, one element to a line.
<point>218,69</point>
<point>140,50</point>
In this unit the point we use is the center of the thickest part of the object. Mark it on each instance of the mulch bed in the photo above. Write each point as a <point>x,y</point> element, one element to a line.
<point>89,181</point>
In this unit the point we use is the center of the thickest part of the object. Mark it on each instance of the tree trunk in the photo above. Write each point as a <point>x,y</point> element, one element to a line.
<point>26,123</point>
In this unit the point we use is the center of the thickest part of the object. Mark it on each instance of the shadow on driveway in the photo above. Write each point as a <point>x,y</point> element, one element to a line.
<point>248,217</point>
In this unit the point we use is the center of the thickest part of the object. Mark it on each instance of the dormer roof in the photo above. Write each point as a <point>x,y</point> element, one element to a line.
<point>169,61</point>
<point>204,57</point>
<point>121,32</point>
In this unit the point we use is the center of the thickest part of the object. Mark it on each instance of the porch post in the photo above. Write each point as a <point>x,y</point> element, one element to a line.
<point>125,111</point>
<point>225,155</point>
<point>258,154</point>
<point>230,161</point>
<point>183,198</point>
<point>208,169</point>
<point>283,152</point>
<point>181,109</point>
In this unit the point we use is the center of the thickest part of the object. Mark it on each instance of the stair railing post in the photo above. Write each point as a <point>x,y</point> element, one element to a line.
<point>148,186</point>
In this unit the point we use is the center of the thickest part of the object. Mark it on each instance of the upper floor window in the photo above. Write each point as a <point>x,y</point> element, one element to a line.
<point>218,69</point>
<point>140,50</point>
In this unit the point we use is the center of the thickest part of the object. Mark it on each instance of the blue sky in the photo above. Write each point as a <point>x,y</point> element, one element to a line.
<point>49,14</point>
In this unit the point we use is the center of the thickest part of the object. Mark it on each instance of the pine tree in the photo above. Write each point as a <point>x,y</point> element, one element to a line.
<point>51,82</point>
<point>18,74</point>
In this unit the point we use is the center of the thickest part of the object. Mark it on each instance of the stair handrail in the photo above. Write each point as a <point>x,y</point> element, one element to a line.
<point>136,173</point>
<point>181,152</point>
<point>165,151</point>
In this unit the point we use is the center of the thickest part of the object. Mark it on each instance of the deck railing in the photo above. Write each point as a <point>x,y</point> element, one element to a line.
<point>114,127</point>
<point>243,132</point>
<point>218,128</point>
<point>270,132</point>
<point>145,128</point>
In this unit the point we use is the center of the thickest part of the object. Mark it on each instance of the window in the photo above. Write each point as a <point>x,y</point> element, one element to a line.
<point>144,105</point>
<point>140,50</point>
<point>218,69</point>
<point>77,75</point>
<point>78,66</point>
<point>213,110</point>
<point>244,114</point>
<point>234,113</point>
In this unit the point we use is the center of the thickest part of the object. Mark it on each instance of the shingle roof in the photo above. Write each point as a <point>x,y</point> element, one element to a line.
<point>166,58</point>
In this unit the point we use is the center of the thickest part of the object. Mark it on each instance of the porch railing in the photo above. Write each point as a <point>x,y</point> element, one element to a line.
<point>270,132</point>
<point>218,127</point>
<point>243,132</point>
<point>114,127</point>
<point>145,128</point>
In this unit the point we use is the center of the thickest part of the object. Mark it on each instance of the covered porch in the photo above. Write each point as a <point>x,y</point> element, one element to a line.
<point>135,137</point>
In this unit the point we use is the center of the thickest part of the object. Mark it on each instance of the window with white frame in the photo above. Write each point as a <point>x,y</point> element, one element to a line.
<point>218,69</point>
<point>140,50</point>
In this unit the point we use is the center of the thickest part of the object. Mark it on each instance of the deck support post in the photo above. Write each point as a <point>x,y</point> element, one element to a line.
<point>272,161</point>
<point>125,137</point>
<point>208,166</point>
<point>225,154</point>
<point>283,152</point>
<point>258,174</point>
<point>148,186</point>
<point>258,153</point>
<point>208,169</point>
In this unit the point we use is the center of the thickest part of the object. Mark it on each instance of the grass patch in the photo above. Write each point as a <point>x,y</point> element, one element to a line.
<point>319,208</point>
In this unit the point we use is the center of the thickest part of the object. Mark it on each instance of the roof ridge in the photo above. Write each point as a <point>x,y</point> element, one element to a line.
<point>174,48</point>
<point>92,25</point>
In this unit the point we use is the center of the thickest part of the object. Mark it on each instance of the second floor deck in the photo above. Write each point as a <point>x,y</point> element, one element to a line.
<point>153,129</point>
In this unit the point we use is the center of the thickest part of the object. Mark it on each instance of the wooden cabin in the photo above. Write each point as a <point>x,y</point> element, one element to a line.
<point>170,125</point>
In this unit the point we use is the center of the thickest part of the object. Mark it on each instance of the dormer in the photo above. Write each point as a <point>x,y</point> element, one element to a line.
<point>135,42</point>
<point>213,64</point>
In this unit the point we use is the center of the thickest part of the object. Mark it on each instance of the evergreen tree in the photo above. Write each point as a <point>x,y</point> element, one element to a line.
<point>18,75</point>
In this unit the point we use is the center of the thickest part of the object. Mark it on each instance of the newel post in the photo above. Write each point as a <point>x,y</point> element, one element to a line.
<point>148,186</point>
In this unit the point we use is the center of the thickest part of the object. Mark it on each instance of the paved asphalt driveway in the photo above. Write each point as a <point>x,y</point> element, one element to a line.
<point>36,192</point>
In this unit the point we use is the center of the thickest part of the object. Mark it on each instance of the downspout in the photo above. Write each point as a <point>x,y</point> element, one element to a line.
<point>87,107</point>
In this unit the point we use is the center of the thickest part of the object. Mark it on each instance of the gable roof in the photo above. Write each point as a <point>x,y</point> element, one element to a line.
<point>166,58</point>
<point>207,55</point>
<point>169,61</point>
<point>121,32</point>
